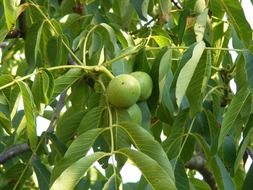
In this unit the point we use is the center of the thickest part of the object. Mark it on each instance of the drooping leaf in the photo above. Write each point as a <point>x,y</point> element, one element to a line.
<point>146,143</point>
<point>231,115</point>
<point>243,145</point>
<point>248,56</point>
<point>10,12</point>
<point>91,120</point>
<point>221,174</point>
<point>197,87</point>
<point>65,81</point>
<point>29,108</point>
<point>200,25</point>
<point>237,18</point>
<point>76,151</point>
<point>68,124</point>
<point>199,184</point>
<point>182,182</point>
<point>141,6</point>
<point>42,173</point>
<point>5,79</point>
<point>56,51</point>
<point>248,182</point>
<point>33,40</point>
<point>43,87</point>
<point>72,175</point>
<point>157,177</point>
<point>187,72</point>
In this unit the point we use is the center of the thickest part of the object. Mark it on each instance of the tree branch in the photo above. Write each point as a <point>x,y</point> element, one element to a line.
<point>177,4</point>
<point>197,162</point>
<point>13,151</point>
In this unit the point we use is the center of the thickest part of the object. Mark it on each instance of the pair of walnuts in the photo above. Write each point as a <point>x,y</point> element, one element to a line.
<point>125,90</point>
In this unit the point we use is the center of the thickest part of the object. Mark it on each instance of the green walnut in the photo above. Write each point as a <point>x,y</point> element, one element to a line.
<point>123,91</point>
<point>146,84</point>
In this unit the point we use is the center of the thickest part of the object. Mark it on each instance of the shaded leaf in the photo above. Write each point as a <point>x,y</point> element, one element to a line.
<point>231,115</point>
<point>221,175</point>
<point>65,81</point>
<point>42,173</point>
<point>248,182</point>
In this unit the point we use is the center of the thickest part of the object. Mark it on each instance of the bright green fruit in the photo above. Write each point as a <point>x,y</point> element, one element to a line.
<point>135,114</point>
<point>123,91</point>
<point>145,83</point>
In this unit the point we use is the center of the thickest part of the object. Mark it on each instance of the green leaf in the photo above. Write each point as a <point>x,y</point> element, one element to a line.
<point>141,6</point>
<point>42,173</point>
<point>248,182</point>
<point>56,51</point>
<point>91,120</point>
<point>232,114</point>
<point>43,87</point>
<point>243,145</point>
<point>68,124</point>
<point>187,72</point>
<point>78,149</point>
<point>156,176</point>
<point>199,184</point>
<point>32,43</point>
<point>200,25</point>
<point>10,13</point>
<point>29,109</point>
<point>5,79</point>
<point>237,18</point>
<point>6,123</point>
<point>69,178</point>
<point>145,142</point>
<point>248,57</point>
<point>111,183</point>
<point>182,182</point>
<point>197,87</point>
<point>221,175</point>
<point>66,80</point>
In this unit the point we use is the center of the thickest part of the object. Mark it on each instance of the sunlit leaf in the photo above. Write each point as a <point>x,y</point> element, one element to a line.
<point>71,176</point>
<point>200,25</point>
<point>76,151</point>
<point>29,108</point>
<point>187,72</point>
<point>146,143</point>
<point>157,177</point>
<point>237,18</point>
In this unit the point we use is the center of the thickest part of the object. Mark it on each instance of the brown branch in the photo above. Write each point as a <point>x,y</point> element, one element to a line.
<point>177,4</point>
<point>13,152</point>
<point>198,162</point>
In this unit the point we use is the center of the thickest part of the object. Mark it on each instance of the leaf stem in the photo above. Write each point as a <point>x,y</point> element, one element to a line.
<point>148,48</point>
<point>85,68</point>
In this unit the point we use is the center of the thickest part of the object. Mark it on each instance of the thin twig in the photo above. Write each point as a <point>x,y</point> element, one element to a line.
<point>56,114</point>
